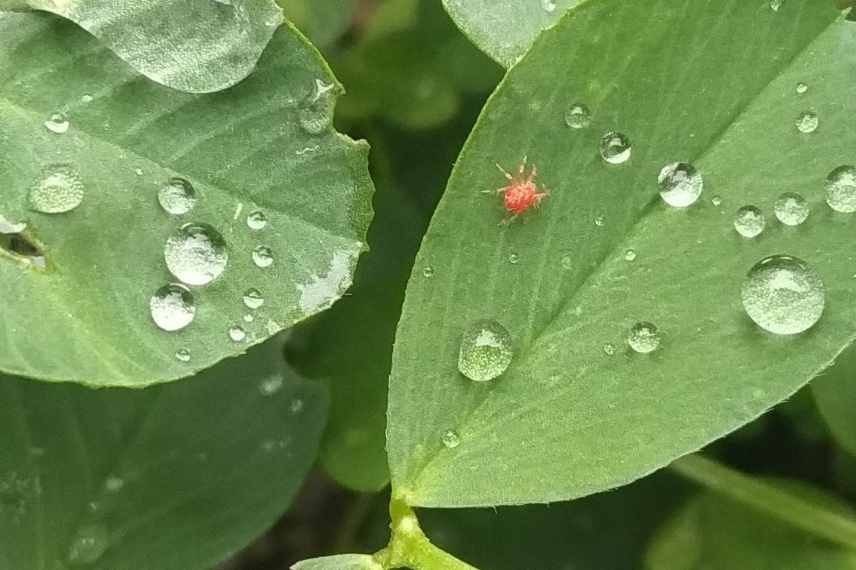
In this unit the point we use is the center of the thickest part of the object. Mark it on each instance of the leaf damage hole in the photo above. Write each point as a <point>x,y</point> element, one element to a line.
<point>15,243</point>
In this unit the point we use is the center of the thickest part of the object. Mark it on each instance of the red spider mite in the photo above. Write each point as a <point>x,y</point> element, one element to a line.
<point>521,192</point>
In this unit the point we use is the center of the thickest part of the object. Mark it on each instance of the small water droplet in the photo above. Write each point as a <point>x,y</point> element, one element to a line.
<point>548,5</point>
<point>485,351</point>
<point>791,209</point>
<point>783,295</point>
<point>451,439</point>
<point>801,88</point>
<point>428,271</point>
<point>630,255</point>
<point>716,201</point>
<point>253,299</point>
<point>749,221</point>
<point>86,98</point>
<point>177,196</point>
<point>615,148</point>
<point>680,184</point>
<point>57,123</point>
<point>58,190</point>
<point>257,220</point>
<point>88,545</point>
<point>248,318</point>
<point>578,116</point>
<point>237,334</point>
<point>138,171</point>
<point>263,256</point>
<point>567,262</point>
<point>270,386</point>
<point>644,338</point>
<point>182,355</point>
<point>609,349</point>
<point>807,122</point>
<point>841,189</point>
<point>599,221</point>
<point>316,114</point>
<point>196,254</point>
<point>296,406</point>
<point>513,258</point>
<point>775,5</point>
<point>172,307</point>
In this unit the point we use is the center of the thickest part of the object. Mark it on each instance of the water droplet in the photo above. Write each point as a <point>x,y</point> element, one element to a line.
<point>86,98</point>
<point>783,295</point>
<point>57,123</point>
<point>316,115</point>
<point>270,386</point>
<point>257,220</point>
<point>253,299</point>
<point>630,255</point>
<point>776,4</point>
<point>428,271</point>
<point>716,201</point>
<point>615,148</point>
<point>749,221</point>
<point>114,484</point>
<point>513,258</point>
<point>57,191</point>
<point>807,122</point>
<point>841,189</point>
<point>237,334</point>
<point>578,116</point>
<point>485,351</point>
<point>548,5</point>
<point>451,439</point>
<point>567,262</point>
<point>138,171</point>
<point>680,184</point>
<point>609,349</point>
<point>172,307</point>
<point>248,318</point>
<point>196,254</point>
<point>791,209</point>
<point>182,355</point>
<point>599,221</point>
<point>177,196</point>
<point>88,545</point>
<point>801,88</point>
<point>263,256</point>
<point>296,406</point>
<point>644,338</point>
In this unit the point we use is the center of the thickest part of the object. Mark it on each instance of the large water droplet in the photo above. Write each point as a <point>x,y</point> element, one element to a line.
<point>172,307</point>
<point>57,123</point>
<point>58,190</point>
<point>451,439</point>
<point>841,189</point>
<point>88,544</point>
<point>177,196</point>
<point>196,254</point>
<point>644,338</point>
<point>783,295</point>
<point>749,221</point>
<point>807,122</point>
<point>615,148</point>
<point>680,184</point>
<point>791,209</point>
<point>263,256</point>
<point>253,299</point>
<point>486,351</point>
<point>578,116</point>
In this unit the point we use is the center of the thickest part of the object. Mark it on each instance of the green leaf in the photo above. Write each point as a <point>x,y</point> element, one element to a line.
<point>715,533</point>
<point>835,395</point>
<point>264,145</point>
<point>567,419</point>
<point>198,46</point>
<point>174,477</point>
<point>323,21</point>
<point>504,29</point>
<point>340,562</point>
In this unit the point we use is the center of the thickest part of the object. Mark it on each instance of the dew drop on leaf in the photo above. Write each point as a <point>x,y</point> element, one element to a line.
<point>841,189</point>
<point>749,221</point>
<point>182,355</point>
<point>237,334</point>
<point>716,201</point>
<point>807,122</point>
<point>578,116</point>
<point>513,258</point>
<point>428,271</point>
<point>775,5</point>
<point>680,184</point>
<point>485,352</point>
<point>88,545</point>
<point>783,295</point>
<point>57,123</point>
<point>196,254</point>
<point>257,220</point>
<point>58,190</point>
<point>172,307</point>
<point>451,439</point>
<point>630,255</point>
<point>644,337</point>
<point>548,5</point>
<point>263,256</point>
<point>177,196</point>
<point>253,299</point>
<point>609,349</point>
<point>801,88</point>
<point>599,221</point>
<point>615,148</point>
<point>791,209</point>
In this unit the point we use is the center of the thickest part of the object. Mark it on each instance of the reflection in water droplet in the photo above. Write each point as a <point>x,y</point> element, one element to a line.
<point>791,209</point>
<point>196,254</point>
<point>270,386</point>
<point>57,123</point>
<point>783,295</point>
<point>253,299</point>
<point>485,351</point>
<point>172,307</point>
<point>182,355</point>
<point>680,184</point>
<point>807,122</point>
<point>237,334</point>
<point>177,196</point>
<point>801,88</point>
<point>88,544</point>
<point>578,116</point>
<point>749,221</point>
<point>644,338</point>
<point>615,148</point>
<point>257,220</point>
<point>58,190</point>
<point>841,189</point>
<point>451,439</point>
<point>263,256</point>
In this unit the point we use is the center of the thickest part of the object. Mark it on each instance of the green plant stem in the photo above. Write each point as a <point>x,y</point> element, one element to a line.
<point>353,521</point>
<point>759,495</point>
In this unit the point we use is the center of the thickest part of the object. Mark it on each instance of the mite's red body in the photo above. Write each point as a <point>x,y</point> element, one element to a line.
<point>521,192</point>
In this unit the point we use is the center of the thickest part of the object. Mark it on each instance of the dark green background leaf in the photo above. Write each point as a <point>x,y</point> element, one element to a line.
<point>835,394</point>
